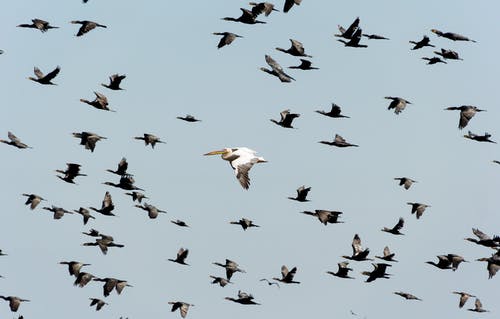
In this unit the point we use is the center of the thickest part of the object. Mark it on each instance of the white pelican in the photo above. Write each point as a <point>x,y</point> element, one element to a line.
<point>241,160</point>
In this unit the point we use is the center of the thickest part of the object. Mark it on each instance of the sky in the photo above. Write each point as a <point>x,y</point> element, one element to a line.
<point>174,68</point>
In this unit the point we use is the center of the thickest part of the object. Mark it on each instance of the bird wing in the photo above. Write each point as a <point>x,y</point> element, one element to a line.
<point>480,234</point>
<point>122,166</point>
<point>339,139</point>
<point>387,252</point>
<point>351,30</point>
<point>182,253</point>
<point>101,98</point>
<point>400,224</point>
<point>241,172</point>
<point>184,309</point>
<point>284,271</point>
<point>465,116</point>
<point>287,121</point>
<point>356,245</point>
<point>86,27</point>
<point>463,300</point>
<point>273,64</point>
<point>52,74</point>
<point>38,73</point>
<point>107,202</point>
<point>478,304</point>
<point>12,137</point>
<point>297,46</point>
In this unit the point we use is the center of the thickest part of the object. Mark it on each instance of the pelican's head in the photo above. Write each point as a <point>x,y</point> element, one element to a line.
<point>219,152</point>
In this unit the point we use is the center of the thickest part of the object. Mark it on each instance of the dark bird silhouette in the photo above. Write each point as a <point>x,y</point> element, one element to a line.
<point>86,26</point>
<point>450,261</point>
<point>348,34</point>
<point>425,42</point>
<point>231,267</point>
<point>149,139</point>
<point>397,103</point>
<point>136,196</point>
<point>33,200</point>
<point>388,256</point>
<point>188,118</point>
<point>227,38</point>
<point>82,279</point>
<point>219,280</point>
<point>296,49</point>
<point>107,206</point>
<point>58,211</point>
<point>463,297</point>
<point>379,271</point>
<point>479,138</point>
<point>14,141</point>
<point>343,271</point>
<point>451,36</point>
<point>358,254</point>
<point>246,17</point>
<point>276,70</point>
<point>407,296</point>
<point>448,54</point>
<point>304,65</point>
<point>98,303</point>
<point>270,283</point>
<point>126,182</point>
<point>122,168</point>
<point>262,7</point>
<point>100,102</point>
<point>302,192</point>
<point>14,302</point>
<point>152,210</point>
<point>89,139</point>
<point>354,40</point>
<point>72,171</point>
<point>493,263</point>
<point>243,298</point>
<point>434,60</point>
<point>45,79</point>
<point>2,253</point>
<point>287,275</point>
<point>179,223</point>
<point>484,240</point>
<point>338,141</point>
<point>182,306</point>
<point>325,216</point>
<point>85,214</point>
<point>478,307</point>
<point>289,4</point>
<point>406,182</point>
<point>244,223</point>
<point>396,229</point>
<point>418,208</point>
<point>467,112</point>
<point>74,267</point>
<point>114,82</point>
<point>181,257</point>
<point>375,37</point>
<point>112,283</point>
<point>104,243</point>
<point>286,119</point>
<point>334,112</point>
<point>39,24</point>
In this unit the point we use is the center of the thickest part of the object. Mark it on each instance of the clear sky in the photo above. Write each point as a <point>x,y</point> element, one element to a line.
<point>173,68</point>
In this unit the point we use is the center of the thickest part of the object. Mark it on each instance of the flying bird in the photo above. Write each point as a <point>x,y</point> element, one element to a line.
<point>100,102</point>
<point>244,223</point>
<point>425,42</point>
<point>126,182</point>
<point>407,296</point>
<point>121,169</point>
<point>74,267</point>
<point>149,139</point>
<point>58,211</point>
<point>181,257</point>
<point>289,4</point>
<point>296,49</point>
<point>379,271</point>
<point>388,256</point>
<point>448,54</point>
<point>338,141</point>
<point>227,38</point>
<point>82,279</point>
<point>434,60</point>
<point>398,104</point>
<point>479,138</point>
<point>304,65</point>
<point>188,118</point>
<point>325,216</point>
<point>45,79</point>
<point>88,139</point>
<point>287,275</point>
<point>241,159</point>
<point>85,214</point>
<point>396,229</point>
<point>354,40</point>
<point>231,267</point>
<point>302,192</point>
<point>467,112</point>
<point>33,200</point>
<point>98,303</point>
<point>219,280</point>
<point>14,302</point>
<point>374,37</point>
<point>136,196</point>
<point>262,7</point>
<point>343,271</point>
<point>86,26</point>
<point>39,24</point>
<point>182,306</point>
<point>463,297</point>
<point>114,82</point>
<point>286,119</point>
<point>334,112</point>
<point>358,253</point>
<point>478,307</point>
<point>14,141</point>
<point>179,223</point>
<point>406,182</point>
<point>72,171</point>
<point>451,36</point>
<point>246,17</point>
<point>276,70</point>
<point>107,206</point>
<point>348,34</point>
<point>484,240</point>
<point>243,298</point>
<point>493,263</point>
<point>152,210</point>
<point>450,261</point>
<point>418,208</point>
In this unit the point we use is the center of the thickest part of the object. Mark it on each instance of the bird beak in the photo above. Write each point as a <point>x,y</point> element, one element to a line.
<point>215,152</point>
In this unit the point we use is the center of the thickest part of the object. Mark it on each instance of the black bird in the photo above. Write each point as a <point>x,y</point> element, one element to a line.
<point>188,118</point>
<point>396,229</point>
<point>451,36</point>
<point>179,223</point>
<point>39,24</point>
<point>397,103</point>
<point>227,38</point>
<point>14,141</point>
<point>98,303</point>
<point>302,192</point>
<point>246,17</point>
<point>45,79</point>
<point>354,40</point>
<point>126,182</point>
<point>375,37</point>
<point>287,275</point>
<point>484,240</point>
<point>348,34</point>
<point>107,206</point>
<point>407,296</point>
<point>74,267</point>
<point>334,112</point>
<point>358,254</point>
<point>104,243</point>
<point>479,138</point>
<point>114,82</point>
<point>181,257</point>
<point>448,54</point>
<point>338,141</point>
<point>262,7</point>
<point>149,139</point>
<point>82,279</point>
<point>86,26</point>
<point>379,271</point>
<point>243,298</point>
<point>296,49</point>
<point>137,196</point>
<point>493,263</point>
<point>388,256</point>
<point>89,139</point>
<point>418,208</point>
<point>152,210</point>
<point>33,200</point>
<point>276,70</point>
<point>244,223</point>
<point>425,42</point>
<point>85,214</point>
<point>182,306</point>
<point>289,4</point>
<point>14,302</point>
<point>72,171</point>
<point>231,267</point>
<point>304,65</point>
<point>58,211</point>
<point>343,271</point>
<point>434,60</point>
<point>2,253</point>
<point>450,261</point>
<point>100,102</point>
<point>406,182</point>
<point>219,280</point>
<point>467,112</point>
<point>478,307</point>
<point>122,168</point>
<point>325,216</point>
<point>270,283</point>
<point>286,119</point>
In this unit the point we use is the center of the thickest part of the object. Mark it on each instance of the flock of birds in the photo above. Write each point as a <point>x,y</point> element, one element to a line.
<point>242,160</point>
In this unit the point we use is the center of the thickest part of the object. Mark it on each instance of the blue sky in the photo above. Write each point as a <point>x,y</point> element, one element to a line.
<point>173,68</point>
